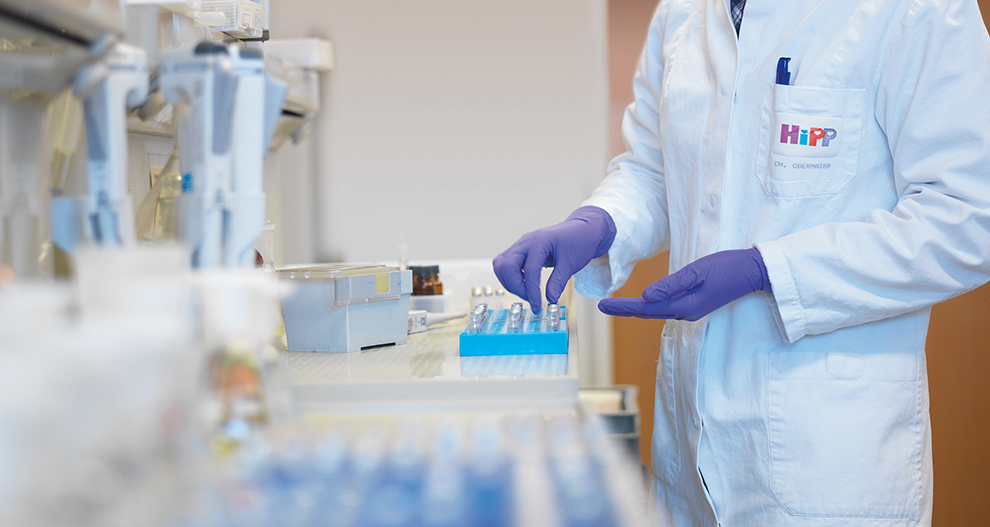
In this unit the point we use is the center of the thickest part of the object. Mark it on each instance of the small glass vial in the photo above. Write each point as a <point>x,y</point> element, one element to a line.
<point>516,316</point>
<point>500,298</point>
<point>476,296</point>
<point>553,316</point>
<point>478,316</point>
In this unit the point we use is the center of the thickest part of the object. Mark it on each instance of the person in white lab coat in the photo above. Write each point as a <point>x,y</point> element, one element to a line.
<point>813,216</point>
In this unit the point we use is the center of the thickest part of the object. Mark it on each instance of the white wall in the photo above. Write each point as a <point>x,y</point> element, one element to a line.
<point>455,125</point>
<point>460,124</point>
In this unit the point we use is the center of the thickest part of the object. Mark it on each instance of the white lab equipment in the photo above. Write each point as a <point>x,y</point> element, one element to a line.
<point>299,62</point>
<point>243,19</point>
<point>21,206</point>
<point>100,380</point>
<point>48,41</point>
<point>108,89</point>
<point>341,308</point>
<point>421,320</point>
<point>44,43</point>
<point>257,105</point>
<point>199,82</point>
<point>226,110</point>
<point>100,425</point>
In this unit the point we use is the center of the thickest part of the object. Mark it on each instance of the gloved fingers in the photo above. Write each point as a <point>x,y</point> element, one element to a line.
<point>557,282</point>
<point>531,277</point>
<point>508,269</point>
<point>663,289</point>
<point>636,307</point>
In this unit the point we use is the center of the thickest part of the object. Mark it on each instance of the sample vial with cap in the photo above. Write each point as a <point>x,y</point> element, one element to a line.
<point>476,296</point>
<point>500,298</point>
<point>490,297</point>
<point>478,316</point>
<point>516,316</point>
<point>553,316</point>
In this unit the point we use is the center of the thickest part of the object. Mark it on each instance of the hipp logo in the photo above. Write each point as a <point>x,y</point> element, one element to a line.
<point>822,140</point>
<point>811,136</point>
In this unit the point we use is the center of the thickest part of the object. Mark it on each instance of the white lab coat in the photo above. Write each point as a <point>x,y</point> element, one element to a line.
<point>808,406</point>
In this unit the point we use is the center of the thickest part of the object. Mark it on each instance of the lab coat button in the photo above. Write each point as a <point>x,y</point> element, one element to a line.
<point>712,201</point>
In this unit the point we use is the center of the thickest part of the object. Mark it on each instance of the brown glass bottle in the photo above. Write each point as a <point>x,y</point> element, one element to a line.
<point>426,280</point>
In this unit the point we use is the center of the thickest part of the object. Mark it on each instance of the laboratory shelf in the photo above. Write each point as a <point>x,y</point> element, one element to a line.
<point>427,374</point>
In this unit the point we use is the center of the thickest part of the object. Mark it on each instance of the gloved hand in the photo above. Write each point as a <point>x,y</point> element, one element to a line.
<point>701,287</point>
<point>567,246</point>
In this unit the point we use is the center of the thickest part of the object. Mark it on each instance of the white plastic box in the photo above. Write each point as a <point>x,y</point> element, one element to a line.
<point>430,303</point>
<point>245,18</point>
<point>341,308</point>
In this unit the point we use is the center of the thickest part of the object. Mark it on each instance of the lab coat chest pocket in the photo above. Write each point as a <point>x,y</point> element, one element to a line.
<point>665,447</point>
<point>844,427</point>
<point>809,139</point>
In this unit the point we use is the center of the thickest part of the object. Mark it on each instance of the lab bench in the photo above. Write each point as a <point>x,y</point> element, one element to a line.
<point>428,374</point>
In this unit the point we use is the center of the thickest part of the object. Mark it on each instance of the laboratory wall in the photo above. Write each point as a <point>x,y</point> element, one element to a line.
<point>958,346</point>
<point>451,126</point>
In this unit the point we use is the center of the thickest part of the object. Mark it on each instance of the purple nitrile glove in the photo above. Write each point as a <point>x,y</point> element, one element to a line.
<point>567,246</point>
<point>701,287</point>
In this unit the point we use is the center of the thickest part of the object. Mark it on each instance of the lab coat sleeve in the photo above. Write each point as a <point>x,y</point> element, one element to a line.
<point>634,192</point>
<point>933,105</point>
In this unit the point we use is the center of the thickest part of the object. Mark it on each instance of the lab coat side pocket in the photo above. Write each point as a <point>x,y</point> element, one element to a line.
<point>665,448</point>
<point>844,430</point>
<point>809,139</point>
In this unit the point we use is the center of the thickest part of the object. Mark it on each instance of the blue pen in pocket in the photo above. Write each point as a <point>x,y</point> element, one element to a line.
<point>783,76</point>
